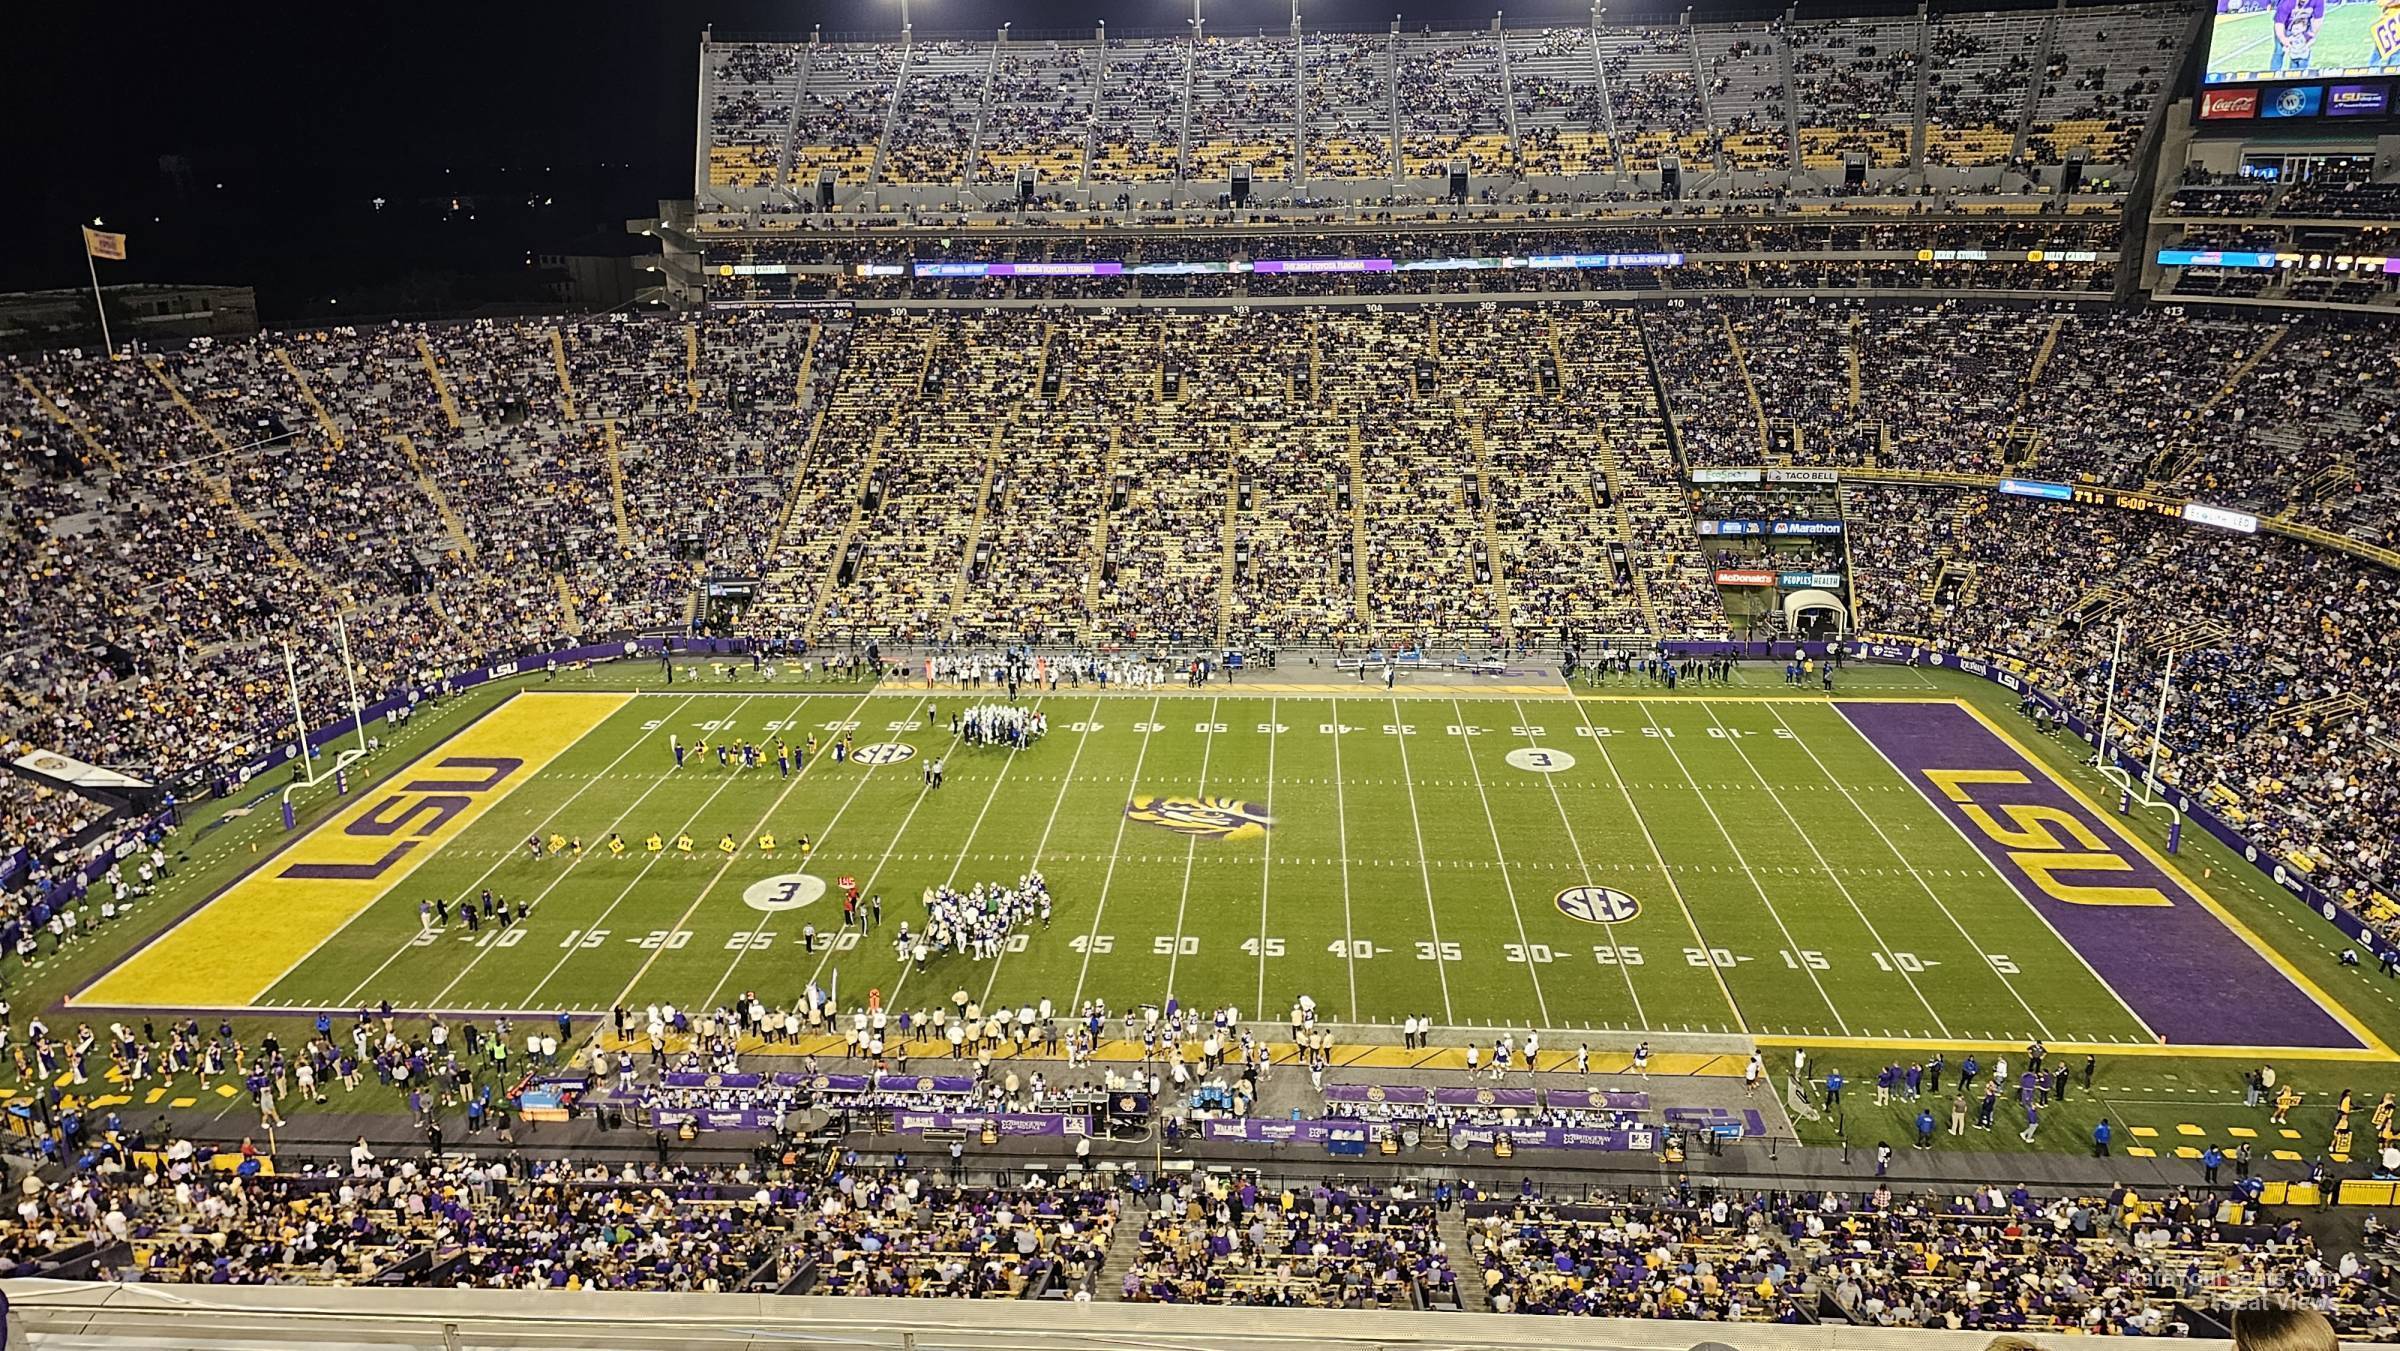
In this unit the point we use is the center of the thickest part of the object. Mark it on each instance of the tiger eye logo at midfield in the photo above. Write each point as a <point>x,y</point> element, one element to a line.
<point>1214,818</point>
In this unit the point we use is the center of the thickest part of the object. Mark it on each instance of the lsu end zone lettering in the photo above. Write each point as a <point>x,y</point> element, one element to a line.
<point>233,949</point>
<point>2185,968</point>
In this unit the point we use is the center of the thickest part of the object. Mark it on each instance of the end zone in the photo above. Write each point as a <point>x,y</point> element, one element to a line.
<point>233,947</point>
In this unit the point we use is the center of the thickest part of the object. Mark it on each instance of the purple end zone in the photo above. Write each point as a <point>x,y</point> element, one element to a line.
<point>2178,966</point>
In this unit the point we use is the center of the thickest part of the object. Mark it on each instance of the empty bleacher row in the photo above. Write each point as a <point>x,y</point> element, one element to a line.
<point>1962,92</point>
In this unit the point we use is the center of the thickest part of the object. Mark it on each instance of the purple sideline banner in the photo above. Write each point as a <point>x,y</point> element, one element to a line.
<point>1597,1099</point>
<point>940,1085</point>
<point>1007,1123</point>
<point>1277,1130</point>
<point>1398,1095</point>
<point>1631,1139</point>
<point>2290,878</point>
<point>1524,1098</point>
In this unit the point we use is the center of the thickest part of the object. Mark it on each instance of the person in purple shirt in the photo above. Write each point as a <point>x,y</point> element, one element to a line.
<point>2296,24</point>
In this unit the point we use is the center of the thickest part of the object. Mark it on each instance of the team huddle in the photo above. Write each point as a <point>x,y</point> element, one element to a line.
<point>977,923</point>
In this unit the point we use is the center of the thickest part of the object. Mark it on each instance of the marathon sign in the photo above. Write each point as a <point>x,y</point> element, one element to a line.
<point>1805,528</point>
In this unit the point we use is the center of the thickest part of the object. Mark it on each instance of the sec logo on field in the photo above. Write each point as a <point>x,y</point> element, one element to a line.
<point>785,891</point>
<point>884,753</point>
<point>1597,905</point>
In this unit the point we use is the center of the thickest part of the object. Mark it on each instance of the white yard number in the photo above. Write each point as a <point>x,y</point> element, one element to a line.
<point>581,938</point>
<point>654,724</point>
<point>1465,729</point>
<point>1357,949</point>
<point>1708,957</point>
<point>1167,945</point>
<point>2001,963</point>
<point>850,726</point>
<point>1808,957</point>
<point>1446,952</point>
<point>1273,728</point>
<point>899,725</point>
<point>1536,954</point>
<point>1616,956</point>
<point>664,938</point>
<point>715,724</point>
<point>1093,943</point>
<point>1902,961</point>
<point>757,942</point>
<point>1263,947</point>
<point>1208,728</point>
<point>1148,727</point>
<point>1526,731</point>
<point>1399,729</point>
<point>1083,726</point>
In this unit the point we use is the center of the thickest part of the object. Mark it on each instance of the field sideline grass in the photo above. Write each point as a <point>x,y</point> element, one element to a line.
<point>1433,839</point>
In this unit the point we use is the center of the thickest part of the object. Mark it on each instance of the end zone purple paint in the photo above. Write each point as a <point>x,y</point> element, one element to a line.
<point>2176,964</point>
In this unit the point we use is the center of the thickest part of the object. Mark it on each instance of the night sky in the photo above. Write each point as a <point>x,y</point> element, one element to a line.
<point>247,144</point>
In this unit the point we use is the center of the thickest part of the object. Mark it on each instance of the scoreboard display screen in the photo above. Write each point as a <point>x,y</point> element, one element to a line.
<point>2266,40</point>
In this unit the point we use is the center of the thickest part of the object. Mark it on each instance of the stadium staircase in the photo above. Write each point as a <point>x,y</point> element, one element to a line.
<point>2180,457</point>
<point>789,151</point>
<point>1232,530</point>
<point>1124,1253</point>
<point>441,385</point>
<point>449,625</point>
<point>1358,530</point>
<point>220,490</point>
<point>841,547</point>
<point>566,604</point>
<point>1473,1295</point>
<point>83,434</point>
<point>1488,511</point>
<point>1108,484</point>
<point>434,494</point>
<point>1741,362</point>
<point>333,434</point>
<point>691,367</point>
<point>616,480</point>
<point>566,382</point>
<point>1850,356</point>
<point>983,502</point>
<point>808,364</point>
<point>2190,636</point>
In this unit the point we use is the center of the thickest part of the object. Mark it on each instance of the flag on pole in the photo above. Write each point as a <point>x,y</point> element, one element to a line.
<point>103,244</point>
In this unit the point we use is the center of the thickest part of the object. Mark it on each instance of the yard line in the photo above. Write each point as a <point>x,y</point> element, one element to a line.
<point>1743,860</point>
<point>1191,853</point>
<point>722,868</point>
<point>1541,1004</point>
<point>1832,874</point>
<point>1994,869</point>
<point>765,918</point>
<point>1667,875</point>
<point>499,857</point>
<point>964,849</point>
<point>1084,972</point>
<point>1266,867</point>
<point>1424,870</point>
<point>1341,822</point>
<point>1065,782</point>
<point>481,951</point>
<point>1582,869</point>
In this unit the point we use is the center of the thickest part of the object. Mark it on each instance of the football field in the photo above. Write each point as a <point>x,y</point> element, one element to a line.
<point>1741,864</point>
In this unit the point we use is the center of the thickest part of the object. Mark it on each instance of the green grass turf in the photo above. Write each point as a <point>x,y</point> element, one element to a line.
<point>1804,886</point>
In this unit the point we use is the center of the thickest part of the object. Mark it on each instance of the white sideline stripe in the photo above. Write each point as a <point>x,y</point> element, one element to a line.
<point>749,944</point>
<point>503,855</point>
<point>1583,868</point>
<point>1341,821</point>
<point>1466,745</point>
<point>1743,859</point>
<point>1191,851</point>
<point>1433,920</point>
<point>2004,878</point>
<point>1041,846</point>
<point>1101,906</point>
<point>2039,1024</point>
<point>1826,867</point>
<point>1266,863</point>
